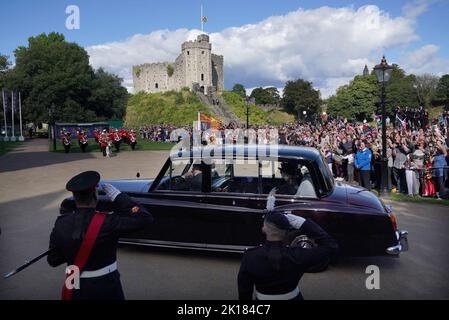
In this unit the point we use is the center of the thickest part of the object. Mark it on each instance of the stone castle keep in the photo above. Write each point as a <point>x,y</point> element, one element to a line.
<point>196,68</point>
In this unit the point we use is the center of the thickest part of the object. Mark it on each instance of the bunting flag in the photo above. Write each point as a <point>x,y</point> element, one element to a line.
<point>208,122</point>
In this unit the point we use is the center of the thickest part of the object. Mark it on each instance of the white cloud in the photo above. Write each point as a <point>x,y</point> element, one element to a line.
<point>327,46</point>
<point>426,60</point>
<point>414,9</point>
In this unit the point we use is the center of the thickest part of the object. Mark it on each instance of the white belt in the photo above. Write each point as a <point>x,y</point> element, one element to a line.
<point>284,296</point>
<point>100,272</point>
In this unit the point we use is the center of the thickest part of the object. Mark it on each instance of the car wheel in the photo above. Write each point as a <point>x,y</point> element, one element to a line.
<point>305,242</point>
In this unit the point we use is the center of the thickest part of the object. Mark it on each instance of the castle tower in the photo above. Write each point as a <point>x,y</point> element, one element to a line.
<point>365,71</point>
<point>196,68</point>
<point>198,62</point>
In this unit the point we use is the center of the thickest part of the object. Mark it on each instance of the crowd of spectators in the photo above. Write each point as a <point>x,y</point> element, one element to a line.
<point>417,148</point>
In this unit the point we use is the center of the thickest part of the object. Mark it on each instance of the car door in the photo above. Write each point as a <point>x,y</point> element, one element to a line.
<point>235,207</point>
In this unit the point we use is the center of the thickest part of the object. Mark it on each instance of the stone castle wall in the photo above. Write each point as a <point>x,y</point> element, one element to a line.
<point>196,66</point>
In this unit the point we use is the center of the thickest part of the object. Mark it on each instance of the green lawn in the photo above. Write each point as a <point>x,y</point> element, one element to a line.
<point>5,147</point>
<point>142,144</point>
<point>405,198</point>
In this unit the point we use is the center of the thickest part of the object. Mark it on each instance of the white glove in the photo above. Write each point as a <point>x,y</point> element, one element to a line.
<point>295,221</point>
<point>111,191</point>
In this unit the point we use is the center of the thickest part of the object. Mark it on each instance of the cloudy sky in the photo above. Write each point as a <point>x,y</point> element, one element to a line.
<point>264,43</point>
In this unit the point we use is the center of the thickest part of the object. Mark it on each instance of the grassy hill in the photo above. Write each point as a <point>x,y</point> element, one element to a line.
<point>178,108</point>
<point>256,114</point>
<point>181,108</point>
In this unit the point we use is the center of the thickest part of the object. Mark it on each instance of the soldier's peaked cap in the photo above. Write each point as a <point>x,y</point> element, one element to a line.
<point>279,220</point>
<point>83,182</point>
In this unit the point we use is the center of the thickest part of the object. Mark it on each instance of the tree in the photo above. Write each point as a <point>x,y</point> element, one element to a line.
<point>299,95</point>
<point>51,71</point>
<point>400,90</point>
<point>357,100</point>
<point>442,92</point>
<point>239,89</point>
<point>426,87</point>
<point>266,96</point>
<point>108,97</point>
<point>4,64</point>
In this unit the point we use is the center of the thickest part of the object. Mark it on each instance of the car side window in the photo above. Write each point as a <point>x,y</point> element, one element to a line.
<point>287,177</point>
<point>236,176</point>
<point>182,175</point>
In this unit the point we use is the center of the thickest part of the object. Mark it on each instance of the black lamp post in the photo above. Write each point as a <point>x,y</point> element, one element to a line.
<point>247,112</point>
<point>383,73</point>
<point>248,101</point>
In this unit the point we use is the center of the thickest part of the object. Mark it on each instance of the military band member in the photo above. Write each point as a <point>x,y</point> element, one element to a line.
<point>116,139</point>
<point>96,135</point>
<point>73,232</point>
<point>66,138</point>
<point>125,135</point>
<point>274,269</point>
<point>82,140</point>
<point>132,139</point>
<point>104,142</point>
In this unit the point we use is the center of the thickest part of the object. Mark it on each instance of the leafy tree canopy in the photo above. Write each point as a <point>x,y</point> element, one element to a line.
<point>51,71</point>
<point>266,96</point>
<point>239,89</point>
<point>299,95</point>
<point>357,100</point>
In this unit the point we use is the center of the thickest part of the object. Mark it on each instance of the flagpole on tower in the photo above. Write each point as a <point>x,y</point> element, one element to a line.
<point>202,23</point>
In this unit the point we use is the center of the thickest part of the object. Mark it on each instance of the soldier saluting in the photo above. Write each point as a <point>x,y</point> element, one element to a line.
<point>88,239</point>
<point>274,269</point>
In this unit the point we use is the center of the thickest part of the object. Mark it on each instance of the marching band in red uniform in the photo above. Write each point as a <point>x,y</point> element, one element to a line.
<point>82,139</point>
<point>66,140</point>
<point>105,138</point>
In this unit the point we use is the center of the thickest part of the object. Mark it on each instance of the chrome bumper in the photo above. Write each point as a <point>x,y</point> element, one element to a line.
<point>402,244</point>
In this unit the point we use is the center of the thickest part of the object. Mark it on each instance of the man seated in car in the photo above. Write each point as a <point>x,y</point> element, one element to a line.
<point>194,178</point>
<point>191,181</point>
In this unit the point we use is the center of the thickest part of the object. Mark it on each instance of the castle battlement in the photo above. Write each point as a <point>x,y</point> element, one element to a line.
<point>196,65</point>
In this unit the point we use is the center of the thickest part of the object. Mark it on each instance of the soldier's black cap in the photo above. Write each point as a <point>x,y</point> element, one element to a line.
<point>84,182</point>
<point>279,220</point>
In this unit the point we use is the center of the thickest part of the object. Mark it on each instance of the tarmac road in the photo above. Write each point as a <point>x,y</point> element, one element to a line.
<point>32,183</point>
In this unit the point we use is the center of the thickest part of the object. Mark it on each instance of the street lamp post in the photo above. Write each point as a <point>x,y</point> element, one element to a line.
<point>249,101</point>
<point>383,73</point>
<point>247,113</point>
